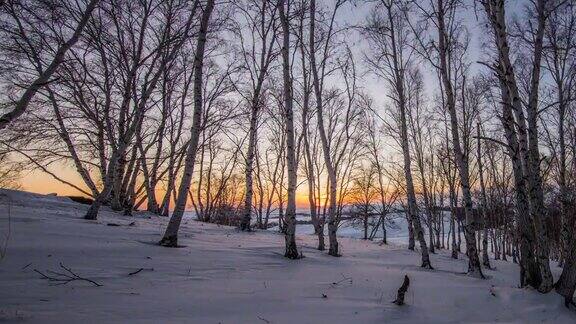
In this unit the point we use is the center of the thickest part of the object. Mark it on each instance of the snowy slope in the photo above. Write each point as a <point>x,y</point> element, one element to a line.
<point>225,276</point>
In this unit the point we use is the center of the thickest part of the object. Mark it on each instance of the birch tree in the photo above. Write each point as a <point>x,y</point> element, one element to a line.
<point>442,13</point>
<point>392,56</point>
<point>318,77</point>
<point>307,134</point>
<point>560,58</point>
<point>170,238</point>
<point>520,120</point>
<point>20,14</point>
<point>560,62</point>
<point>258,52</point>
<point>112,180</point>
<point>291,251</point>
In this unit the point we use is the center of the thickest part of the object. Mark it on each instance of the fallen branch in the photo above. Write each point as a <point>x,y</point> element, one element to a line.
<point>344,278</point>
<point>135,272</point>
<point>402,291</point>
<point>63,278</point>
<point>140,270</point>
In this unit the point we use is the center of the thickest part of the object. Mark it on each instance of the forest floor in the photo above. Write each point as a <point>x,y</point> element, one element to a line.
<point>222,275</point>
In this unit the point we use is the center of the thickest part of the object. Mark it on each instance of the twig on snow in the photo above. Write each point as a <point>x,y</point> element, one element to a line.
<point>63,278</point>
<point>135,272</point>
<point>344,278</point>
<point>139,270</point>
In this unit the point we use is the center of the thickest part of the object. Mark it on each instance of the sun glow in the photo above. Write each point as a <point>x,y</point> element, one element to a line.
<point>43,183</point>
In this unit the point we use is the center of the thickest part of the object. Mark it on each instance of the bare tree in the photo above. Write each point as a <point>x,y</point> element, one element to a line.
<point>442,14</point>
<point>522,136</point>
<point>260,17</point>
<point>170,238</point>
<point>14,10</point>
<point>307,113</point>
<point>559,54</point>
<point>390,39</point>
<point>363,194</point>
<point>318,76</point>
<point>386,191</point>
<point>132,127</point>
<point>484,200</point>
<point>290,218</point>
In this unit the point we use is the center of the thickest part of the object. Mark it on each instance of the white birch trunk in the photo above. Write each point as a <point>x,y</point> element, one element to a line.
<point>474,268</point>
<point>290,216</point>
<point>333,249</point>
<point>529,162</point>
<point>170,238</point>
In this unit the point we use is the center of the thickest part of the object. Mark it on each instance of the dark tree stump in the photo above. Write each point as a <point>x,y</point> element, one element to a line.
<point>402,291</point>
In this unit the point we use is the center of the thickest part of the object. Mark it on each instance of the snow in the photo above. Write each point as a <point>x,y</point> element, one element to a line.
<point>396,228</point>
<point>226,276</point>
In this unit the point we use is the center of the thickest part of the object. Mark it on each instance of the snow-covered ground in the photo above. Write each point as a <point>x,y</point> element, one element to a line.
<point>396,228</point>
<point>226,276</point>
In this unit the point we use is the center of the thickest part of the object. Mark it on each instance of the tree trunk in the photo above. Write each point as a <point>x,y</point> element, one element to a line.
<point>411,195</point>
<point>411,240</point>
<point>567,282</point>
<point>332,182</point>
<point>170,238</point>
<point>533,236</point>
<point>529,272</point>
<point>290,217</point>
<point>384,234</point>
<point>249,190</point>
<point>265,59</point>
<point>474,268</point>
<point>453,222</point>
<point>485,258</point>
<point>536,192</point>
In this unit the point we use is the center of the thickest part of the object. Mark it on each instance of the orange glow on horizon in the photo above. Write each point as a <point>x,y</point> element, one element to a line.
<point>42,183</point>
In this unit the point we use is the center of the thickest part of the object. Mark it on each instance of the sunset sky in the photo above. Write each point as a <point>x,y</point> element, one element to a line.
<point>40,182</point>
<point>37,181</point>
